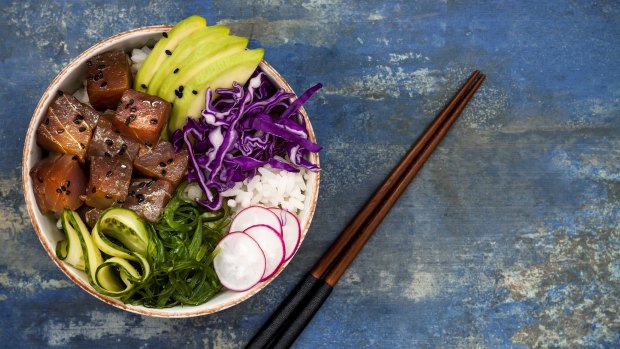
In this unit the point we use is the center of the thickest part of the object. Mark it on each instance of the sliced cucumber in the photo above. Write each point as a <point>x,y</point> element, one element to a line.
<point>164,49</point>
<point>70,249</point>
<point>127,227</point>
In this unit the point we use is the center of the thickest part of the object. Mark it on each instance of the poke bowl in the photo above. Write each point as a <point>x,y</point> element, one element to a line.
<point>51,227</point>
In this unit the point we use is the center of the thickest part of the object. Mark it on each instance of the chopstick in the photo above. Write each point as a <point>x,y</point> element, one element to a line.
<point>296,311</point>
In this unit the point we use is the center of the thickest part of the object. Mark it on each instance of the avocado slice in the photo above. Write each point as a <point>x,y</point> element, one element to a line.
<point>198,62</point>
<point>191,45</point>
<point>221,74</point>
<point>164,49</point>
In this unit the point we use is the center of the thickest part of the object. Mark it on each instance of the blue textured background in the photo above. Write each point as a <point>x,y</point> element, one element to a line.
<point>509,236</point>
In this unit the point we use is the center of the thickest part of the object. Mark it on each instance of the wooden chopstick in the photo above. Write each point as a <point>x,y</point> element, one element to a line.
<point>296,311</point>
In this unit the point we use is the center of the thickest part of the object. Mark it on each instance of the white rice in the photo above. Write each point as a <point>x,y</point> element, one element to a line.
<point>82,95</point>
<point>138,56</point>
<point>270,188</point>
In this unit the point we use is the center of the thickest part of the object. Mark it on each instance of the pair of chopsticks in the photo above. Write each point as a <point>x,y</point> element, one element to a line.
<point>296,311</point>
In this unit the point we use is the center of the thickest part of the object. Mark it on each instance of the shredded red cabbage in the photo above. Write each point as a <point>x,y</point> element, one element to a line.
<point>244,129</point>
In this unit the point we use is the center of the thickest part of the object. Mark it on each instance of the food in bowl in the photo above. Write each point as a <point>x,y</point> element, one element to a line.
<point>175,169</point>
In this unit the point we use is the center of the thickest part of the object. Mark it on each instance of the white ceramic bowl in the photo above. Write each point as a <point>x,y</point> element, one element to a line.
<point>70,79</point>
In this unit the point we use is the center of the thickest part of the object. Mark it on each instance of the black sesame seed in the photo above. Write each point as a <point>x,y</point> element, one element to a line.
<point>60,93</point>
<point>169,161</point>
<point>165,35</point>
<point>58,190</point>
<point>60,131</point>
<point>82,129</point>
<point>68,192</point>
<point>101,66</point>
<point>63,188</point>
<point>132,117</point>
<point>74,157</point>
<point>109,142</point>
<point>89,63</point>
<point>127,121</point>
<point>120,201</point>
<point>168,52</point>
<point>149,184</point>
<point>181,88</point>
<point>40,179</point>
<point>141,185</point>
<point>163,172</point>
<point>195,92</point>
<point>121,152</point>
<point>108,196</point>
<point>79,117</point>
<point>130,101</point>
<point>143,86</point>
<point>82,145</point>
<point>109,173</point>
<point>123,146</point>
<point>133,109</point>
<point>176,71</point>
<point>153,121</point>
<point>140,198</point>
<point>155,178</point>
<point>94,190</point>
<point>47,121</point>
<point>132,193</point>
<point>162,164</point>
<point>108,155</point>
<point>104,84</point>
<point>68,184</point>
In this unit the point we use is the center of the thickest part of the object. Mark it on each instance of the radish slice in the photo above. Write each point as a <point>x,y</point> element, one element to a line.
<point>255,215</point>
<point>291,231</point>
<point>272,245</point>
<point>240,262</point>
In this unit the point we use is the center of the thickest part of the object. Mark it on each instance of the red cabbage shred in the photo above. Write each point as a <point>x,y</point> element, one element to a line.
<point>244,129</point>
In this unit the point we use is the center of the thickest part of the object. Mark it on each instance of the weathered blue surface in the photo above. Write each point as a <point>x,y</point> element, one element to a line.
<point>509,237</point>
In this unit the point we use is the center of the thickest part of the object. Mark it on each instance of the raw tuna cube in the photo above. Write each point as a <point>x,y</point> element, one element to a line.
<point>58,182</point>
<point>108,77</point>
<point>91,215</point>
<point>107,140</point>
<point>148,198</point>
<point>141,116</point>
<point>109,181</point>
<point>162,162</point>
<point>68,126</point>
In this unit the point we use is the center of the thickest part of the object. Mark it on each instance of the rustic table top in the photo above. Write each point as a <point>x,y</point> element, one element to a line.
<point>509,237</point>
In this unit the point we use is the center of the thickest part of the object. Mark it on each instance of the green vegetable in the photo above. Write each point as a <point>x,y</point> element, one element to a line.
<point>182,270</point>
<point>156,266</point>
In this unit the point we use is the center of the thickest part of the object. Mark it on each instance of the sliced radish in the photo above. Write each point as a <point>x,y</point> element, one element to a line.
<point>270,241</point>
<point>240,262</point>
<point>291,231</point>
<point>255,215</point>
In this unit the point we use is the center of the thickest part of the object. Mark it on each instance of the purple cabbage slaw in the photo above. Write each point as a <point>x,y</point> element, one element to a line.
<point>246,128</point>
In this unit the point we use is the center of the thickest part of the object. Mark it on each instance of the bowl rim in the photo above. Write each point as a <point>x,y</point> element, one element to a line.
<point>39,112</point>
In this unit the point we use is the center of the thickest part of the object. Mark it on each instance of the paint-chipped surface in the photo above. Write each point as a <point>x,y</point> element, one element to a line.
<point>508,238</point>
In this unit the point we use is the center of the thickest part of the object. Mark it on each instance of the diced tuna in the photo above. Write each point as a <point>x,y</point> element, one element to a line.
<point>68,126</point>
<point>148,198</point>
<point>91,215</point>
<point>141,116</point>
<point>109,181</point>
<point>162,162</point>
<point>58,182</point>
<point>106,140</point>
<point>108,77</point>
